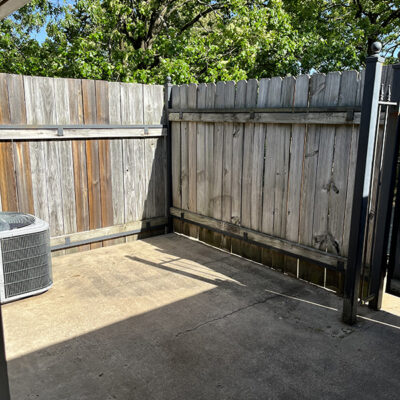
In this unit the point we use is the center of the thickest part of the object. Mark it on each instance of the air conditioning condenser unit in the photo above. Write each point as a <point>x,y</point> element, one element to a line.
<point>25,259</point>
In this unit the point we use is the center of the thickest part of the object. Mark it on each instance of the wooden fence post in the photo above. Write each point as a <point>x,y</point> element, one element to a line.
<point>365,151</point>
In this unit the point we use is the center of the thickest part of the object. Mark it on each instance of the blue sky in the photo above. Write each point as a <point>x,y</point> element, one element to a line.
<point>41,35</point>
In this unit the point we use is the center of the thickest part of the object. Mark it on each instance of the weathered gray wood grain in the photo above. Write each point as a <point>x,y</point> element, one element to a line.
<point>62,104</point>
<point>201,201</point>
<point>183,92</point>
<point>192,157</point>
<point>116,155</point>
<point>342,147</point>
<point>176,151</point>
<point>227,161</point>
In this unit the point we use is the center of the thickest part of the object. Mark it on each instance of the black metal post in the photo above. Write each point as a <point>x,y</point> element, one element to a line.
<point>4,385</point>
<point>384,212</point>
<point>365,151</point>
<point>168,180</point>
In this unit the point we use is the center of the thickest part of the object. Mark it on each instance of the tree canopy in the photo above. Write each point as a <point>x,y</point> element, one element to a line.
<point>195,40</point>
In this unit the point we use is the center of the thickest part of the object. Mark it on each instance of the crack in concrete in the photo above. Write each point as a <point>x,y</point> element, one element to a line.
<point>226,315</point>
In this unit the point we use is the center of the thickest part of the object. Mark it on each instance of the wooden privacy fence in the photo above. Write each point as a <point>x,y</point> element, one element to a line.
<point>264,169</point>
<point>86,156</point>
<point>269,164</point>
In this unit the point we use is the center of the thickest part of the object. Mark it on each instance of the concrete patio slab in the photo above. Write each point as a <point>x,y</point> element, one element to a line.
<point>171,318</point>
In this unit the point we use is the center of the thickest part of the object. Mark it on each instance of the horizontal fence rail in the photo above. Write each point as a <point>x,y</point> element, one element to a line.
<point>89,131</point>
<point>331,261</point>
<point>283,116</point>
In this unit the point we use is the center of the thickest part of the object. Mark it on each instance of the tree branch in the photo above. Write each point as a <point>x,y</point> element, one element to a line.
<point>199,16</point>
<point>392,16</point>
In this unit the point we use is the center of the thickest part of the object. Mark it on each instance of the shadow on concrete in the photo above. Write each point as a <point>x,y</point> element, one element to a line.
<point>255,334</point>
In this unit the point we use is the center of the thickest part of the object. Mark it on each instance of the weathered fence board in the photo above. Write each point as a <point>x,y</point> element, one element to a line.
<point>81,181</point>
<point>237,165</point>
<point>283,173</point>
<point>289,117</point>
<point>295,172</point>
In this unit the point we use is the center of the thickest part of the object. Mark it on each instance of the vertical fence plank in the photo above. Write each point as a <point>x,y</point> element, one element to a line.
<point>258,156</point>
<point>250,251</point>
<point>129,181</point>
<point>17,99</point>
<point>272,99</point>
<point>192,155</point>
<point>206,235</point>
<point>13,99</point>
<point>308,194</point>
<point>23,174</point>
<point>295,173</point>
<point>81,187</point>
<point>92,157</point>
<point>324,172</point>
<point>258,151</point>
<point>8,188</point>
<point>201,154</point>
<point>45,87</point>
<point>63,115</point>
<point>38,156</point>
<point>273,87</point>
<point>153,113</point>
<point>340,170</point>
<point>139,177</point>
<point>153,99</point>
<point>4,119</point>
<point>39,98</point>
<point>54,195</point>
<point>322,238</point>
<point>153,104</point>
<point>93,179</point>
<point>309,271</point>
<point>103,118</point>
<point>4,107</point>
<point>183,92</point>
<point>352,168</point>
<point>79,159</point>
<point>4,101</point>
<point>227,164</point>
<point>38,113</point>
<point>176,157</point>
<point>150,149</point>
<point>282,171</point>
<point>134,154</point>
<point>116,158</point>
<point>247,159</point>
<point>105,183</point>
<point>218,145</point>
<point>237,165</point>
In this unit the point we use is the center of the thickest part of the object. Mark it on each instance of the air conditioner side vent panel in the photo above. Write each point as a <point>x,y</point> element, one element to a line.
<point>25,261</point>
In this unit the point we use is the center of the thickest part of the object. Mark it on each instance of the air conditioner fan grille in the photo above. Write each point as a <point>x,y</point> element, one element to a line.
<point>26,263</point>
